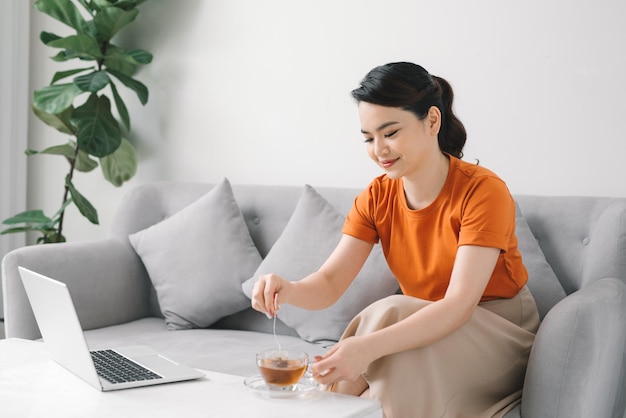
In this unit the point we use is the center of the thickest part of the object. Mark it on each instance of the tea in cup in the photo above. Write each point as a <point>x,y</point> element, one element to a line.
<point>282,369</point>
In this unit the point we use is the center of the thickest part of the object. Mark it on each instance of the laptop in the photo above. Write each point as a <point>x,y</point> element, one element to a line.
<point>63,335</point>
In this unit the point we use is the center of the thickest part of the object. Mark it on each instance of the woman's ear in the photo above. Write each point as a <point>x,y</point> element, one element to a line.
<point>433,120</point>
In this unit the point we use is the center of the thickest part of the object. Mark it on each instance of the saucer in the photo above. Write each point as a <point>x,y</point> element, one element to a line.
<point>303,387</point>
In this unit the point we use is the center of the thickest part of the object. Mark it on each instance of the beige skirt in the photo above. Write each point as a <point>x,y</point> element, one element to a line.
<point>477,371</point>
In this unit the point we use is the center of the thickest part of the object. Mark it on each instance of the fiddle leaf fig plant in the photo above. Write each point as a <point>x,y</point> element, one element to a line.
<point>77,103</point>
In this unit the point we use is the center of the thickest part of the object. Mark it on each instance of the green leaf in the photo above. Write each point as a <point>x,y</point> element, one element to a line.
<point>92,82</point>
<point>47,37</point>
<point>140,56</point>
<point>62,10</point>
<point>121,107</point>
<point>121,65</point>
<point>62,56</point>
<point>83,205</point>
<point>16,230</point>
<point>49,235</point>
<point>134,57</point>
<point>128,4</point>
<point>28,217</point>
<point>84,163</point>
<point>62,74</point>
<point>90,29</point>
<point>56,98</point>
<point>66,150</point>
<point>57,216</point>
<point>114,59</point>
<point>120,166</point>
<point>103,3</point>
<point>98,132</point>
<point>131,83</point>
<point>67,55</point>
<point>59,121</point>
<point>81,46</point>
<point>34,220</point>
<point>110,20</point>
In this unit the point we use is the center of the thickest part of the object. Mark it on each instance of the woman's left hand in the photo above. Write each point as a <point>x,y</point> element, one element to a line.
<point>347,360</point>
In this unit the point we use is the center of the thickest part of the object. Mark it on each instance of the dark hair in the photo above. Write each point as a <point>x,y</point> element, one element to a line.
<point>410,87</point>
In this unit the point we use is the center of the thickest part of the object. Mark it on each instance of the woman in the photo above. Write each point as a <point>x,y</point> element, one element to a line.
<point>456,343</point>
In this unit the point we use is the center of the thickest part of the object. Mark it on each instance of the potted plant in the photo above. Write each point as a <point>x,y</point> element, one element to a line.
<point>96,135</point>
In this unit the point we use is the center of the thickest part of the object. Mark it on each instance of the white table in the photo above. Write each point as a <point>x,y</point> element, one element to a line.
<point>32,385</point>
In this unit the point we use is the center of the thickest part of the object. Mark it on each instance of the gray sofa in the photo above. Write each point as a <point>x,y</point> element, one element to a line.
<point>574,249</point>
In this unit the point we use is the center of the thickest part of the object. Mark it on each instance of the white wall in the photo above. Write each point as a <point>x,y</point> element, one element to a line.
<point>259,92</point>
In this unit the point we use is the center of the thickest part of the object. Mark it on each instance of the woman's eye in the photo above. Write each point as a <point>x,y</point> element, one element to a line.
<point>368,140</point>
<point>390,134</point>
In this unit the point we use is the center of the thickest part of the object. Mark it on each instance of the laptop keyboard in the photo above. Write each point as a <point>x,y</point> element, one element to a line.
<point>118,369</point>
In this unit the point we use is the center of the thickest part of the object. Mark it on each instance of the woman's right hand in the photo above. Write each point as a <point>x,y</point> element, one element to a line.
<point>268,292</point>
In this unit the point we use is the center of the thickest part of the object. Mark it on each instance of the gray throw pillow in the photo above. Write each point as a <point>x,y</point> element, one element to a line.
<point>312,233</point>
<point>198,258</point>
<point>542,281</point>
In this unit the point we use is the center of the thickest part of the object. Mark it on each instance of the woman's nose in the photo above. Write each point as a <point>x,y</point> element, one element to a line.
<point>380,148</point>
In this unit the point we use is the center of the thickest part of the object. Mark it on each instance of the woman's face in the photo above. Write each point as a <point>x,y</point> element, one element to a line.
<point>397,140</point>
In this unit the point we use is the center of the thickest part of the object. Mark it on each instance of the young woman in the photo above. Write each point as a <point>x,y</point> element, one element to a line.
<point>456,342</point>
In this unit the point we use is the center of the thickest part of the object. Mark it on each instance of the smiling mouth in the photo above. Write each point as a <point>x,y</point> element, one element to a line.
<point>388,163</point>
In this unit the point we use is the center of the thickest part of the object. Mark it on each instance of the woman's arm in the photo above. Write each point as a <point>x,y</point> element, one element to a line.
<point>473,267</point>
<point>320,289</point>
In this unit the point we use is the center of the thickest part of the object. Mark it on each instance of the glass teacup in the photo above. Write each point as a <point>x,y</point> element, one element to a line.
<point>282,369</point>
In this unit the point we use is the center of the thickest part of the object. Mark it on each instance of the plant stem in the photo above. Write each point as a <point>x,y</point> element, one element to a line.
<point>66,191</point>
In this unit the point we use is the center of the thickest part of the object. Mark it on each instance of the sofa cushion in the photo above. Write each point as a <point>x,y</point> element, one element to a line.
<point>542,281</point>
<point>217,350</point>
<point>312,233</point>
<point>198,258</point>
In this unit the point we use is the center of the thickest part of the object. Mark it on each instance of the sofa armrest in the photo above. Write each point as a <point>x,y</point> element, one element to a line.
<point>577,363</point>
<point>106,279</point>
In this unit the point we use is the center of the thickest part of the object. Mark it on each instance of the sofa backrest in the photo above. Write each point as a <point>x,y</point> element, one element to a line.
<point>266,209</point>
<point>583,238</point>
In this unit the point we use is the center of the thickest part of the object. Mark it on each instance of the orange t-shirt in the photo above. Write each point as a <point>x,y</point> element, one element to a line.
<point>474,207</point>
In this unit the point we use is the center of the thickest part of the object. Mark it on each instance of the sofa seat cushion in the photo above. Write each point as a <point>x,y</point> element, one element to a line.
<point>219,350</point>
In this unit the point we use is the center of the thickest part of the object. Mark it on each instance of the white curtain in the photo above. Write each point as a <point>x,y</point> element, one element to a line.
<point>14,108</point>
